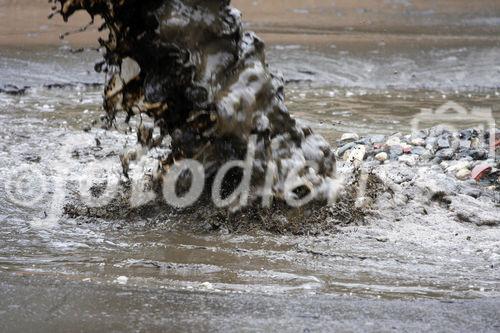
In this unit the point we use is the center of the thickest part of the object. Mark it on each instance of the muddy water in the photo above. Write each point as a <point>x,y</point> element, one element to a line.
<point>334,94</point>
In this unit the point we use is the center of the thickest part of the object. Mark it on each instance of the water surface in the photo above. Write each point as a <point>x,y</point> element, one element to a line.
<point>334,92</point>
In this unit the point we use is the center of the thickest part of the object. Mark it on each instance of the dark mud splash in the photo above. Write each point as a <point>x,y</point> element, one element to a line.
<point>200,85</point>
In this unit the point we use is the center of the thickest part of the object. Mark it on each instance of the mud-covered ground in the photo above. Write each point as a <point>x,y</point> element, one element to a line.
<point>394,272</point>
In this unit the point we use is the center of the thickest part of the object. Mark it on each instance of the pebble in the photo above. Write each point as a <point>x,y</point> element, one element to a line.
<point>468,134</point>
<point>393,141</point>
<point>410,160</point>
<point>343,149</point>
<point>460,165</point>
<point>419,151</point>
<point>431,143</point>
<point>463,174</point>
<point>478,154</point>
<point>443,142</point>
<point>377,139</point>
<point>422,134</point>
<point>349,137</point>
<point>382,157</point>
<point>465,144</point>
<point>426,156</point>
<point>437,131</point>
<point>396,151</point>
<point>418,142</point>
<point>445,154</point>
<point>357,154</point>
<point>407,149</point>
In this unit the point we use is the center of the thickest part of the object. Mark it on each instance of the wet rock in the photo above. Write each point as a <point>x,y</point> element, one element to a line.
<point>395,151</point>
<point>349,137</point>
<point>431,143</point>
<point>437,131</point>
<point>341,151</point>
<point>357,155</point>
<point>377,139</point>
<point>393,141</point>
<point>465,144</point>
<point>410,160</point>
<point>468,134</point>
<point>407,149</point>
<point>443,142</point>
<point>478,154</point>
<point>421,134</point>
<point>419,151</point>
<point>418,142</point>
<point>382,157</point>
<point>445,154</point>
<point>459,165</point>
<point>455,143</point>
<point>463,174</point>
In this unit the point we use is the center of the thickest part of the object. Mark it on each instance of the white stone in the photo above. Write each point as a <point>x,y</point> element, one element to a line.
<point>121,280</point>
<point>410,160</point>
<point>459,166</point>
<point>346,155</point>
<point>349,137</point>
<point>382,157</point>
<point>394,141</point>
<point>463,174</point>
<point>418,142</point>
<point>357,155</point>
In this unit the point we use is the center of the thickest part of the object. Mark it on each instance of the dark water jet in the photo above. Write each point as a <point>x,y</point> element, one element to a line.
<point>201,89</point>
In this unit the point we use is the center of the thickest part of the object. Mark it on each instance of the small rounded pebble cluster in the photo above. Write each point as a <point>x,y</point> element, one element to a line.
<point>466,154</point>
